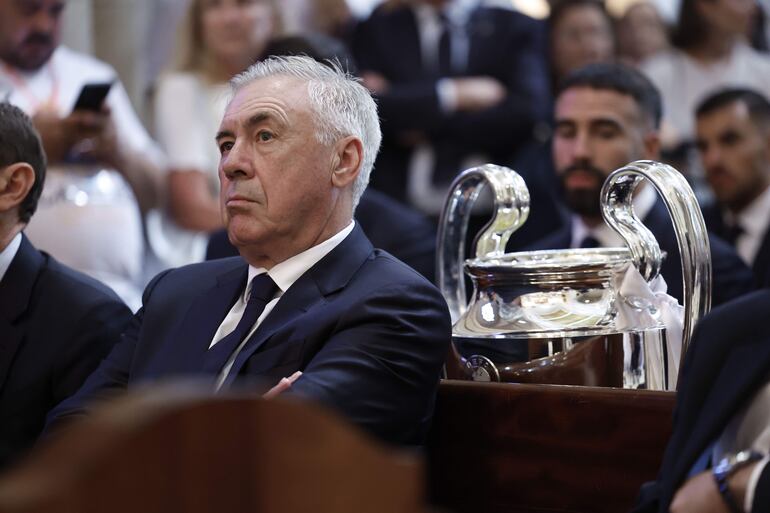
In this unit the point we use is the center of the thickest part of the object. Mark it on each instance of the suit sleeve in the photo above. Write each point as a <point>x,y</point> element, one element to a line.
<point>382,367</point>
<point>98,331</point>
<point>110,377</point>
<point>649,497</point>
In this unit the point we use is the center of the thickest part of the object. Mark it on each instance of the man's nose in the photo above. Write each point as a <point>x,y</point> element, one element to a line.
<point>44,23</point>
<point>235,164</point>
<point>710,157</point>
<point>581,147</point>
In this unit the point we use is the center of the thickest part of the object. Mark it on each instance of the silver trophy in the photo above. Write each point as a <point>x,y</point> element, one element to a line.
<point>564,316</point>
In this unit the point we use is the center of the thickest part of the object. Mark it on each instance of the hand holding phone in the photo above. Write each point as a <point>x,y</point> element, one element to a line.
<point>92,96</point>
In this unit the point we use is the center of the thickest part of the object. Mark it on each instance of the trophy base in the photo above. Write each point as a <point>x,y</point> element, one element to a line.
<point>632,359</point>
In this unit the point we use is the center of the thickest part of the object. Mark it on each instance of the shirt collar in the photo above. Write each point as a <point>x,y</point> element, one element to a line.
<point>643,202</point>
<point>287,272</point>
<point>754,219</point>
<point>7,255</point>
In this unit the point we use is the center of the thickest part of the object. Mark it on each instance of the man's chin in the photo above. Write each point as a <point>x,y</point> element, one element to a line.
<point>31,59</point>
<point>584,203</point>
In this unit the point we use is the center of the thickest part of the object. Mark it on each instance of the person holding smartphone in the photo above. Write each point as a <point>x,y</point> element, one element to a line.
<point>105,168</point>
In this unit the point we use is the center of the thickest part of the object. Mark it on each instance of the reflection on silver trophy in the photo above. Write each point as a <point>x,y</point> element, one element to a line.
<point>593,317</point>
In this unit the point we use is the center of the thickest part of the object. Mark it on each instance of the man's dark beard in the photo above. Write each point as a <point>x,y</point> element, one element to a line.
<point>583,202</point>
<point>18,58</point>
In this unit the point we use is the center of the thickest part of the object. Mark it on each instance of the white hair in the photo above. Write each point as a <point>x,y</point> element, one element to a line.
<point>342,106</point>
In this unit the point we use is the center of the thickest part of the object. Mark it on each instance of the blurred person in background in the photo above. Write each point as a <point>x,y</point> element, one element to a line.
<point>579,33</point>
<point>458,84</point>
<point>217,40</point>
<point>710,51</point>
<point>103,166</point>
<point>607,115</point>
<point>641,33</point>
<point>733,139</point>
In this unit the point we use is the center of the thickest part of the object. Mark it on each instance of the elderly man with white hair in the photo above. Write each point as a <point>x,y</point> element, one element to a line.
<point>310,308</point>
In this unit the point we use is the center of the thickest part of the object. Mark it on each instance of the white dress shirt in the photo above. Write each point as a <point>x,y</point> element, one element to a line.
<point>284,275</point>
<point>7,255</point>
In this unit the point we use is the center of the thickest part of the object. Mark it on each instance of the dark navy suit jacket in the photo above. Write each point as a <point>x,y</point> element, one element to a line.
<point>731,276</point>
<point>728,362</point>
<point>761,264</point>
<point>55,327</point>
<point>503,44</point>
<point>368,332</point>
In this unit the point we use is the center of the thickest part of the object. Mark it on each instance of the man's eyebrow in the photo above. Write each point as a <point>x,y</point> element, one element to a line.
<point>614,123</point>
<point>224,133</point>
<point>257,119</point>
<point>253,121</point>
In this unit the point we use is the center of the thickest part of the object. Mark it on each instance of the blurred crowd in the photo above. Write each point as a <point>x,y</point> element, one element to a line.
<point>133,187</point>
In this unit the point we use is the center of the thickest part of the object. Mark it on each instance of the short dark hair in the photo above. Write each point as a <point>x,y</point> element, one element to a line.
<point>620,78</point>
<point>690,29</point>
<point>757,104</point>
<point>20,142</point>
<point>560,7</point>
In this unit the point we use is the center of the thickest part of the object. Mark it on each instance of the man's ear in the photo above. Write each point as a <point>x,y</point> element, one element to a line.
<point>347,161</point>
<point>652,145</point>
<point>15,182</point>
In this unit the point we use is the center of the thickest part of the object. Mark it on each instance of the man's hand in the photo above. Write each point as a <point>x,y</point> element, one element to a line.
<point>98,137</point>
<point>282,385</point>
<point>700,493</point>
<point>58,134</point>
<point>478,93</point>
<point>87,133</point>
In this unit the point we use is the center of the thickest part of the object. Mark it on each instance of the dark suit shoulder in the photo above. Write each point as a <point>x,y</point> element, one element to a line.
<point>71,288</point>
<point>174,289</point>
<point>392,270</point>
<point>737,320</point>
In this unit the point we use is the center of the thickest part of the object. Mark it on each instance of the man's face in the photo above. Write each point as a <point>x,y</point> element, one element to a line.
<point>29,31</point>
<point>735,155</point>
<point>277,195</point>
<point>582,36</point>
<point>235,30</point>
<point>597,131</point>
<point>732,17</point>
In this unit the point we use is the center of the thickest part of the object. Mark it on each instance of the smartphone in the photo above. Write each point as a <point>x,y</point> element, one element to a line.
<point>92,96</point>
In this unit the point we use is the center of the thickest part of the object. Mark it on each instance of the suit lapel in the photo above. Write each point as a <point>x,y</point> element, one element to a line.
<point>187,347</point>
<point>745,366</point>
<point>329,275</point>
<point>15,295</point>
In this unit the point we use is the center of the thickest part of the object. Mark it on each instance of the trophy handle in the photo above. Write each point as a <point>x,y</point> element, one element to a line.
<point>511,211</point>
<point>689,226</point>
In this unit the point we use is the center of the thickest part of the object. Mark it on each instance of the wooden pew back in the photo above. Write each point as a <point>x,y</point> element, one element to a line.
<point>162,452</point>
<point>501,447</point>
